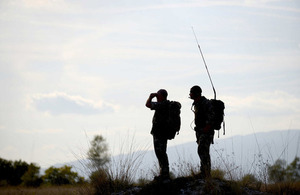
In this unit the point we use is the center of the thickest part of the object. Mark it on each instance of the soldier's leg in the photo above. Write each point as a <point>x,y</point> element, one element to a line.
<point>204,142</point>
<point>160,148</point>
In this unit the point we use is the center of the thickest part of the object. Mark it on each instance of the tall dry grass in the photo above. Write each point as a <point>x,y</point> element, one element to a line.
<point>122,170</point>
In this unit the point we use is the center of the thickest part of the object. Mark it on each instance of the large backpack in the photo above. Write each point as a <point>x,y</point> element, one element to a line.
<point>173,121</point>
<point>218,108</point>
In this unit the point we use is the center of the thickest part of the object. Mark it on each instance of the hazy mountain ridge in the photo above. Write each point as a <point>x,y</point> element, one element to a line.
<point>240,151</point>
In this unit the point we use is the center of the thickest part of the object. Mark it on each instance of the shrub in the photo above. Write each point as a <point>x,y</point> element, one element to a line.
<point>249,180</point>
<point>218,173</point>
<point>31,177</point>
<point>61,176</point>
<point>279,172</point>
<point>117,173</point>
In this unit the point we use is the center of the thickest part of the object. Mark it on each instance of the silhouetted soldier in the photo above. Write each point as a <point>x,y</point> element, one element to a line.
<point>159,125</point>
<point>204,131</point>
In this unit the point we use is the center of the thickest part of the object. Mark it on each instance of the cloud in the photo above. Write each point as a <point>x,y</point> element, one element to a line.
<point>265,104</point>
<point>44,131</point>
<point>49,5</point>
<point>61,103</point>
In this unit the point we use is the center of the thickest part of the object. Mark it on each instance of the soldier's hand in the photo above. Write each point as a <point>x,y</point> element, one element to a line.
<point>152,95</point>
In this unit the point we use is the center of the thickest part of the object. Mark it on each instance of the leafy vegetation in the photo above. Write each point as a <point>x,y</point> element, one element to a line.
<point>61,176</point>
<point>31,177</point>
<point>279,172</point>
<point>12,172</point>
<point>98,153</point>
<point>20,173</point>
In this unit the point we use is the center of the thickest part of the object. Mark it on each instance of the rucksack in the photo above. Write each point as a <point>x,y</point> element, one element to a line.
<point>173,121</point>
<point>218,108</point>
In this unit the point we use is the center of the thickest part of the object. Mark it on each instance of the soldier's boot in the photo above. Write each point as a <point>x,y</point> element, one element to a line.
<point>164,175</point>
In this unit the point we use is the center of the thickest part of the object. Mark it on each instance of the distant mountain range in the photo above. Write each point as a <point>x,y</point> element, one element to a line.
<point>238,154</point>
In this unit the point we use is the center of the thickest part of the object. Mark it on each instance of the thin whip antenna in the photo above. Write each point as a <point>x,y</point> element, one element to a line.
<point>204,63</point>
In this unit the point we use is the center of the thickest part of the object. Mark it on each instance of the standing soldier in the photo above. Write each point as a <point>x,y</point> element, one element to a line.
<point>159,131</point>
<point>204,128</point>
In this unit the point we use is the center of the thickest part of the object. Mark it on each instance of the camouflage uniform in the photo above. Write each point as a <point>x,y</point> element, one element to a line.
<point>203,117</point>
<point>159,135</point>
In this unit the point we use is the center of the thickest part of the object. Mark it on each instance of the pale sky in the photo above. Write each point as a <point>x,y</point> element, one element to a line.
<point>72,69</point>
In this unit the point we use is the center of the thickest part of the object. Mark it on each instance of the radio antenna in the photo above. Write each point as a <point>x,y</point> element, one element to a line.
<point>205,64</point>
